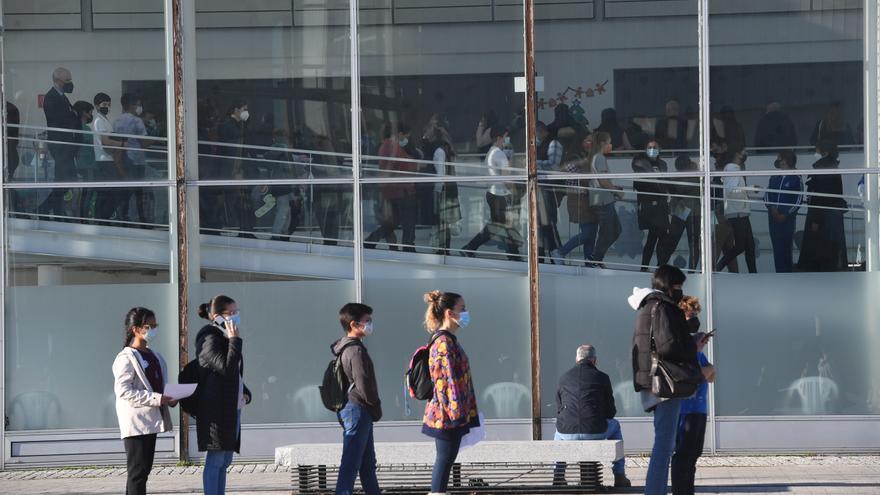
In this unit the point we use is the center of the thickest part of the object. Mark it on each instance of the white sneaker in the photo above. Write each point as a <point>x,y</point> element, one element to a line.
<point>555,254</point>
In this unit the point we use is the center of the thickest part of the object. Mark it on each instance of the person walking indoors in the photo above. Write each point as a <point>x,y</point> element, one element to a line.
<point>662,332</point>
<point>363,407</point>
<point>139,377</point>
<point>452,409</point>
<point>222,393</point>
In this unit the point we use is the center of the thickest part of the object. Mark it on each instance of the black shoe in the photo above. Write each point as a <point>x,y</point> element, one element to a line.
<point>621,481</point>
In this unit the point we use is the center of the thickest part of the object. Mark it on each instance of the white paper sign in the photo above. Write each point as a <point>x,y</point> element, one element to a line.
<point>179,391</point>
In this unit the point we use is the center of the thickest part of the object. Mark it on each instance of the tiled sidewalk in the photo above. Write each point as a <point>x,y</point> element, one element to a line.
<point>722,474</point>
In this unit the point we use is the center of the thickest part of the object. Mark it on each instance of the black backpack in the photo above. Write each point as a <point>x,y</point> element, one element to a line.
<point>191,373</point>
<point>418,376</point>
<point>334,387</point>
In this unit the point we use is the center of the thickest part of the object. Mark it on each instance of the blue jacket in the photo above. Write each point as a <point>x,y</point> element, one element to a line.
<point>786,203</point>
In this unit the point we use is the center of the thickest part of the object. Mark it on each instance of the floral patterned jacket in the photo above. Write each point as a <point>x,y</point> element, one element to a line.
<point>454,404</point>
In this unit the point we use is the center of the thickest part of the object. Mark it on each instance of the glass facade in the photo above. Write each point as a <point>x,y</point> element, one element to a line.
<point>376,150</point>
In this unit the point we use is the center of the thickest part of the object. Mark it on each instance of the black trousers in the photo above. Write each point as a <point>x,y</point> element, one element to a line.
<point>139,453</point>
<point>688,448</point>
<point>743,242</point>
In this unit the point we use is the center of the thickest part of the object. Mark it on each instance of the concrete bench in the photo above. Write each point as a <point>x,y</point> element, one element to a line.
<point>496,467</point>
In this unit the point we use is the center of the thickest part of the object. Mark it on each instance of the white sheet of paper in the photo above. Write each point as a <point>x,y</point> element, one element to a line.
<point>179,391</point>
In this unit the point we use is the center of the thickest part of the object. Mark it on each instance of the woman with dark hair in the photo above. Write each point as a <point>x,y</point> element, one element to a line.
<point>488,122</point>
<point>823,248</point>
<point>661,328</point>
<point>452,409</point>
<point>222,392</point>
<point>610,124</point>
<point>139,377</point>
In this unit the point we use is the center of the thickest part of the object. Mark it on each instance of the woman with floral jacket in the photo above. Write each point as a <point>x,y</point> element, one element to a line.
<point>452,411</point>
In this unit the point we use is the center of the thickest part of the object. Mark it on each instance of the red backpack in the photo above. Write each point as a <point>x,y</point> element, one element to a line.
<point>417,378</point>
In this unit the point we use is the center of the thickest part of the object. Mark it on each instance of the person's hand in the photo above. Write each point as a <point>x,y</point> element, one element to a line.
<point>247,398</point>
<point>619,194</point>
<point>779,217</point>
<point>168,401</point>
<point>708,373</point>
<point>231,329</point>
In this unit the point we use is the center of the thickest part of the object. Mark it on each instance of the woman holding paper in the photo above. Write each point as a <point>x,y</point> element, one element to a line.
<point>140,375</point>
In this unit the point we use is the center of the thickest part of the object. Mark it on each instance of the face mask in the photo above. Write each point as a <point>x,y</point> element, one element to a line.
<point>677,295</point>
<point>368,328</point>
<point>138,110</point>
<point>236,320</point>
<point>506,140</point>
<point>152,333</point>
<point>68,87</point>
<point>151,123</point>
<point>244,115</point>
<point>693,325</point>
<point>403,142</point>
<point>817,155</point>
<point>653,152</point>
<point>464,319</point>
<point>104,110</point>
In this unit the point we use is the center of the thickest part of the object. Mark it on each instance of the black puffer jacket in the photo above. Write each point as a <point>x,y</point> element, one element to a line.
<point>584,401</point>
<point>671,335</point>
<point>222,367</point>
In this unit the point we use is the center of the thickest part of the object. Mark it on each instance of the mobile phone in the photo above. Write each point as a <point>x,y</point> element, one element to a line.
<point>712,333</point>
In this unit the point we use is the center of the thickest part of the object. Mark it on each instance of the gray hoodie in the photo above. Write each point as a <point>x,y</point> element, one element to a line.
<point>358,368</point>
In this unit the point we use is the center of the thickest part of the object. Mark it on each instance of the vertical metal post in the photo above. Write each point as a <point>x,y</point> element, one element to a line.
<point>872,139</point>
<point>357,220</point>
<point>708,258</point>
<point>532,203</point>
<point>3,251</point>
<point>177,144</point>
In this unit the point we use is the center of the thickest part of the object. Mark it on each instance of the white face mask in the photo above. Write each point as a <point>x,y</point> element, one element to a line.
<point>817,155</point>
<point>244,115</point>
<point>151,334</point>
<point>138,110</point>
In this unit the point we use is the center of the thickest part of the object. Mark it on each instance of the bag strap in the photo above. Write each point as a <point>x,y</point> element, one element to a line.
<point>437,334</point>
<point>653,317</point>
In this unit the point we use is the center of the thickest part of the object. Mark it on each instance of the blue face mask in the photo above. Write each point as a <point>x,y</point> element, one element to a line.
<point>506,140</point>
<point>653,152</point>
<point>464,319</point>
<point>152,333</point>
<point>403,142</point>
<point>236,320</point>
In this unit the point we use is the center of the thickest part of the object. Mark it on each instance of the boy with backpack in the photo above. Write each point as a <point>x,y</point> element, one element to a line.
<point>363,406</point>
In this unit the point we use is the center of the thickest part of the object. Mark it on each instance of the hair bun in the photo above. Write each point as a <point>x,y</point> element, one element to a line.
<point>203,310</point>
<point>433,297</point>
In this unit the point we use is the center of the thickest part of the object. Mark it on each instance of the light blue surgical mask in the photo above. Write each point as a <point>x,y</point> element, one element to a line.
<point>368,328</point>
<point>464,319</point>
<point>653,152</point>
<point>506,140</point>
<point>236,320</point>
<point>403,142</point>
<point>152,333</point>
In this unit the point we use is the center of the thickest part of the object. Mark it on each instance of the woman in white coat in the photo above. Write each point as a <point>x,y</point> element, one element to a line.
<point>140,374</point>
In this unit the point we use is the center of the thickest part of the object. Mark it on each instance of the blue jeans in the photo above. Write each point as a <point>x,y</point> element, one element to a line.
<point>587,237</point>
<point>358,451</point>
<point>612,433</point>
<point>665,428</point>
<point>782,238</point>
<point>447,451</point>
<point>216,462</point>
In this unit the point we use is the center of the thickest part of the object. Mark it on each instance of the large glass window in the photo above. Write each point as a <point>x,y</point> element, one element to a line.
<point>85,102</point>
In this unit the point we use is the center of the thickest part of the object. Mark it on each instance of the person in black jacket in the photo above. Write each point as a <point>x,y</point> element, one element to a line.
<point>221,388</point>
<point>62,145</point>
<point>652,200</point>
<point>585,410</point>
<point>823,248</point>
<point>660,324</point>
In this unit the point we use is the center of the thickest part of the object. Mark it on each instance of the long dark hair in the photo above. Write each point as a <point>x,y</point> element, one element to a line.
<point>215,306</point>
<point>136,317</point>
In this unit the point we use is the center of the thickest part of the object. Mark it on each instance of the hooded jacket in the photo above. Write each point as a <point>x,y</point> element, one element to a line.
<point>671,335</point>
<point>358,367</point>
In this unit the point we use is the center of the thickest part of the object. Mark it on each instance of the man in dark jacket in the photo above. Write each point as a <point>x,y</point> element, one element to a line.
<point>363,407</point>
<point>585,409</point>
<point>62,145</point>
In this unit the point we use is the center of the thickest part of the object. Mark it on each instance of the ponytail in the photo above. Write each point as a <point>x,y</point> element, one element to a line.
<point>136,317</point>
<point>438,302</point>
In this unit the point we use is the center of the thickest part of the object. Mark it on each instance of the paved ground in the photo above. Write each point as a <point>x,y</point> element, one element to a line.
<point>723,474</point>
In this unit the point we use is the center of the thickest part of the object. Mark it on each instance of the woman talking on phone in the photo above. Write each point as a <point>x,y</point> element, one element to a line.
<point>139,376</point>
<point>222,393</point>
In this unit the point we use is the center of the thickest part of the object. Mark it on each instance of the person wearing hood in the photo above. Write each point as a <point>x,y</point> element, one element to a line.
<point>824,245</point>
<point>363,407</point>
<point>660,316</point>
<point>222,392</point>
<point>652,201</point>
